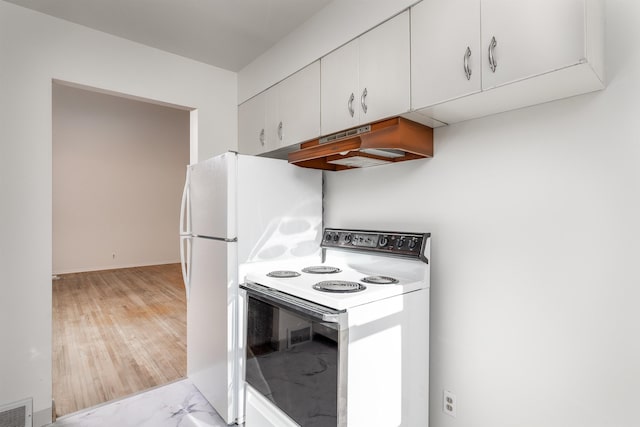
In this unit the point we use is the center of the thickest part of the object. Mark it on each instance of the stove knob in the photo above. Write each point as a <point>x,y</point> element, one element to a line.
<point>400,243</point>
<point>412,244</point>
<point>335,237</point>
<point>327,237</point>
<point>383,241</point>
<point>348,238</point>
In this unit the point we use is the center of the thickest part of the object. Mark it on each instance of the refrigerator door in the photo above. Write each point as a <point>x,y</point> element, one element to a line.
<point>212,330</point>
<point>212,197</point>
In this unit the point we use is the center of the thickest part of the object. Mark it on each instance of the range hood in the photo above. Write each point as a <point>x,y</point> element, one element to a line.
<point>387,141</point>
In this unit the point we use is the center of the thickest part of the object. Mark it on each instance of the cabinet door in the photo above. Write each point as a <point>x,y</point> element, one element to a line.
<point>272,118</point>
<point>445,51</point>
<point>531,38</point>
<point>385,70</point>
<point>338,84</point>
<point>299,106</point>
<point>251,125</point>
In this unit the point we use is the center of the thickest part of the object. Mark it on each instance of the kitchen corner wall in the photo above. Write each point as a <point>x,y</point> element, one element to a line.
<point>535,317</point>
<point>34,49</point>
<point>118,171</point>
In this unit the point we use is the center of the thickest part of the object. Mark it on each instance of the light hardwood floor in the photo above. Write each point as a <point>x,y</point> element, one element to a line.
<point>115,333</point>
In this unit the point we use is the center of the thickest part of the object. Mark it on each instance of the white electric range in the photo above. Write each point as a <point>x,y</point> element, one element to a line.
<point>344,341</point>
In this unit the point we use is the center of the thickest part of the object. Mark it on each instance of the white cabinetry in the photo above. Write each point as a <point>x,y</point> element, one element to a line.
<point>299,107</point>
<point>527,52</point>
<point>531,38</point>
<point>367,79</point>
<point>283,115</point>
<point>339,89</point>
<point>445,50</point>
<point>251,125</point>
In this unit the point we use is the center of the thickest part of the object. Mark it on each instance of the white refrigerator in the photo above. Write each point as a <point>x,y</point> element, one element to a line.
<point>236,210</point>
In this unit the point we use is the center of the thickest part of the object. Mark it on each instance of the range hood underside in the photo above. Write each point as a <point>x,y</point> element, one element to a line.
<point>389,141</point>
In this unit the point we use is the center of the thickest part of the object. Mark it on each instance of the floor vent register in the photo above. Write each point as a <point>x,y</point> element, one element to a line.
<point>18,414</point>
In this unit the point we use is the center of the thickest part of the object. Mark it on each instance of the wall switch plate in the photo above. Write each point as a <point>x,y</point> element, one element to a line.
<point>449,403</point>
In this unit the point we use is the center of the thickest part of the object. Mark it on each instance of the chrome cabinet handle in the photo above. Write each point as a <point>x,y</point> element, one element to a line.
<point>467,70</point>
<point>350,104</point>
<point>280,131</point>
<point>262,137</point>
<point>492,61</point>
<point>363,100</point>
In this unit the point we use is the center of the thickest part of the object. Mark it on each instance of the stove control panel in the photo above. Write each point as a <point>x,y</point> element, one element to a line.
<point>410,245</point>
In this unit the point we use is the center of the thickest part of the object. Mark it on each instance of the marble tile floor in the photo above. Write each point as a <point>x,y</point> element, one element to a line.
<point>178,404</point>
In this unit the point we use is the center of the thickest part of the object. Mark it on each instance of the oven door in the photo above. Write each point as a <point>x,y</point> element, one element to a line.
<point>296,355</point>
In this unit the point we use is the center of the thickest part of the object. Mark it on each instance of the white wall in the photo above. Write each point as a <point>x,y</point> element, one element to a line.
<point>118,171</point>
<point>34,49</point>
<point>535,215</point>
<point>334,25</point>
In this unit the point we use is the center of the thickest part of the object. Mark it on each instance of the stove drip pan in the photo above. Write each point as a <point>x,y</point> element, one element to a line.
<point>339,286</point>
<point>283,274</point>
<point>380,280</point>
<point>321,269</point>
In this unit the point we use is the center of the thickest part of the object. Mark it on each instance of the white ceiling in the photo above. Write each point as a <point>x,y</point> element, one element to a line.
<point>225,33</point>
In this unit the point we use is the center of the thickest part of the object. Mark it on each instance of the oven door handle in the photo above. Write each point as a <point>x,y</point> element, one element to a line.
<point>295,304</point>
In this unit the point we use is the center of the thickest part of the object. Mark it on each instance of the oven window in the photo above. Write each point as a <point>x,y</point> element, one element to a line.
<point>293,361</point>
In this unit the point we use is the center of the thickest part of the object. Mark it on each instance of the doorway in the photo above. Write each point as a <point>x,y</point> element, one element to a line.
<point>119,312</point>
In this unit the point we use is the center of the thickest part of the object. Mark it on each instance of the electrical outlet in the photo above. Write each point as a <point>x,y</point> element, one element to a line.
<point>449,403</point>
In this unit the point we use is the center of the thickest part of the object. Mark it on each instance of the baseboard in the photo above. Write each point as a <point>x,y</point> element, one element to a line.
<point>42,418</point>
<point>112,267</point>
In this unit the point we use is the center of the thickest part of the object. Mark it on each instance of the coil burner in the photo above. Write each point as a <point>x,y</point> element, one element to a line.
<point>321,269</point>
<point>339,286</point>
<point>380,280</point>
<point>283,274</point>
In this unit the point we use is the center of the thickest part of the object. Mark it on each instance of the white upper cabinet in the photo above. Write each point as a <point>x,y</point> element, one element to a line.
<point>367,79</point>
<point>524,38</point>
<point>283,115</point>
<point>440,62</point>
<point>522,53</point>
<point>272,118</point>
<point>385,70</point>
<point>251,125</point>
<point>299,107</point>
<point>339,89</point>
<point>445,50</point>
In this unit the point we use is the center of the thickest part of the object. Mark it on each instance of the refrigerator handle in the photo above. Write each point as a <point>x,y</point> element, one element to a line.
<point>185,235</point>
<point>185,229</point>
<point>185,262</point>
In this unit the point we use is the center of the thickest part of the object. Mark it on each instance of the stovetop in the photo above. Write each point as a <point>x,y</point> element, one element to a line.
<point>379,265</point>
<point>302,286</point>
